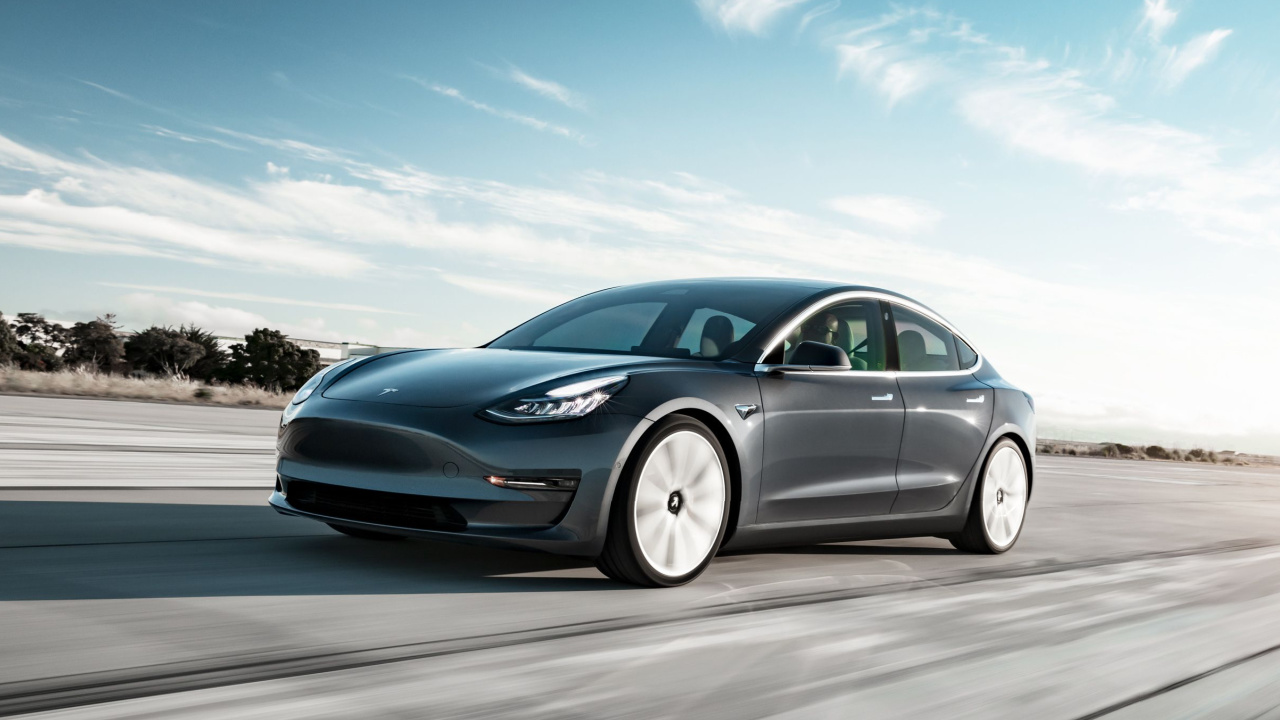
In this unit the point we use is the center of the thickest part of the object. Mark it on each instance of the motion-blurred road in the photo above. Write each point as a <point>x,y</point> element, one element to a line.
<point>143,575</point>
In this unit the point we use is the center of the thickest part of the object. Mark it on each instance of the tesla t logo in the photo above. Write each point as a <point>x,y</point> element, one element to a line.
<point>387,390</point>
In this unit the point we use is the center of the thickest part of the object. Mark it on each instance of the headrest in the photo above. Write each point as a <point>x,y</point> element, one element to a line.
<point>717,335</point>
<point>911,349</point>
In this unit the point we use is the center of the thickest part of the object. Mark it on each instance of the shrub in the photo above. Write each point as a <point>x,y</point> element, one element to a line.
<point>1157,452</point>
<point>163,351</point>
<point>214,357</point>
<point>269,360</point>
<point>94,345</point>
<point>9,347</point>
<point>40,342</point>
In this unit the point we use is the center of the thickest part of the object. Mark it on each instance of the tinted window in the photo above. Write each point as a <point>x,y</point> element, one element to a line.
<point>617,328</point>
<point>968,358</point>
<point>706,319</point>
<point>923,345</point>
<point>854,327</point>
<point>709,331</point>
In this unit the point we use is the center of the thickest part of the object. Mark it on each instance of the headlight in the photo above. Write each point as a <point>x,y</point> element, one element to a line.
<point>307,388</point>
<point>562,403</point>
<point>310,386</point>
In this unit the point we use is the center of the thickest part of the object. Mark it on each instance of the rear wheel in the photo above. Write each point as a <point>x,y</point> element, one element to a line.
<point>671,508</point>
<point>999,503</point>
<point>364,534</point>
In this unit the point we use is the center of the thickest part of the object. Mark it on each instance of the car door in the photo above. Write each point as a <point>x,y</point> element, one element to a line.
<point>831,437</point>
<point>948,412</point>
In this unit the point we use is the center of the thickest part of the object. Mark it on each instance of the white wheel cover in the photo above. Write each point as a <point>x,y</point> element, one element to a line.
<point>1004,496</point>
<point>684,463</point>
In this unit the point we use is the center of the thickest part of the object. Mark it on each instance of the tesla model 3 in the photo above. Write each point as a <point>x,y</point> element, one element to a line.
<point>650,426</point>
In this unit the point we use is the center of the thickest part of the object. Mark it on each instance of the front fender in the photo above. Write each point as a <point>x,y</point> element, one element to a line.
<point>710,396</point>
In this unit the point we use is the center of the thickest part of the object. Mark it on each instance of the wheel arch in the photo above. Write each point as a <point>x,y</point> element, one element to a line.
<point>711,417</point>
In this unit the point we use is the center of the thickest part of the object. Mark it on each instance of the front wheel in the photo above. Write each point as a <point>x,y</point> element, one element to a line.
<point>999,503</point>
<point>671,508</point>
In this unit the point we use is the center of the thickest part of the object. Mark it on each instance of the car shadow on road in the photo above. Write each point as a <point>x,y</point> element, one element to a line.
<point>96,550</point>
<point>872,548</point>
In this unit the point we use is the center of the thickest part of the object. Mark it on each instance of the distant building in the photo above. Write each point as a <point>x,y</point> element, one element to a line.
<point>330,352</point>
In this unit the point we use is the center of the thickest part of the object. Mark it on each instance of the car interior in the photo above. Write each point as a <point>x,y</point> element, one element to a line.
<point>845,326</point>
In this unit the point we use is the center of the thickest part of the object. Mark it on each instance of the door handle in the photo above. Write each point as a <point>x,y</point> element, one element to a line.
<point>886,396</point>
<point>980,398</point>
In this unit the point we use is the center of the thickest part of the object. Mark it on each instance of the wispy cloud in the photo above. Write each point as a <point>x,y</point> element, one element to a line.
<point>815,13</point>
<point>111,91</point>
<point>1051,111</point>
<point>547,88</point>
<point>193,139</point>
<point>752,16</point>
<point>1197,51</point>
<point>896,70</point>
<point>904,214</point>
<point>1157,18</point>
<point>252,297</point>
<point>526,120</point>
<point>284,82</point>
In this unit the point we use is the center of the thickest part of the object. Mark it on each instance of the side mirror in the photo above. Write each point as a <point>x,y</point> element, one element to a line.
<point>810,355</point>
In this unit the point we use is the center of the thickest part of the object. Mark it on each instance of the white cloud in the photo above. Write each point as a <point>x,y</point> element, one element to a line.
<point>606,230</point>
<point>140,310</point>
<point>1050,111</point>
<point>274,169</point>
<point>1157,17</point>
<point>753,16</point>
<point>548,88</point>
<point>526,120</point>
<point>815,13</point>
<point>898,213</point>
<point>540,297</point>
<point>253,297</point>
<point>895,73</point>
<point>1196,52</point>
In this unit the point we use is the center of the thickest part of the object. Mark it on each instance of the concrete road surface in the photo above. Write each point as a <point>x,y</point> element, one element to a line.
<point>142,575</point>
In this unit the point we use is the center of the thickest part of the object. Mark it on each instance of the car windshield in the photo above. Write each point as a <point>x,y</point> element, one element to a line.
<point>709,321</point>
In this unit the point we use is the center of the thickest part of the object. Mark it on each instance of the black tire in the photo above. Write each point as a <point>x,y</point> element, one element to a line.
<point>364,534</point>
<point>622,558</point>
<point>974,537</point>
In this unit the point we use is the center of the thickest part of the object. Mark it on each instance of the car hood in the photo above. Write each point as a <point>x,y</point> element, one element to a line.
<point>453,378</point>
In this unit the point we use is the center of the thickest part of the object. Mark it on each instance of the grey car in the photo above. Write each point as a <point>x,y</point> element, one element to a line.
<point>651,426</point>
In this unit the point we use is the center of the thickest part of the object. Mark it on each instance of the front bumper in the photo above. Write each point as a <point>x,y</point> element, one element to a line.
<point>421,472</point>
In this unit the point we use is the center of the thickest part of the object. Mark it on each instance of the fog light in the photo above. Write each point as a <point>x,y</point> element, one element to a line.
<point>533,483</point>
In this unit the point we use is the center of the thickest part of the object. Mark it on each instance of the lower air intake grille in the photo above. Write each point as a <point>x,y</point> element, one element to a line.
<point>374,506</point>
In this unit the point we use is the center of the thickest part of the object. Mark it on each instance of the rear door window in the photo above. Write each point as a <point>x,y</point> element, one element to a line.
<point>923,345</point>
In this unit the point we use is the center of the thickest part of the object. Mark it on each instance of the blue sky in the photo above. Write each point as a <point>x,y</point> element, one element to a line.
<point>1090,190</point>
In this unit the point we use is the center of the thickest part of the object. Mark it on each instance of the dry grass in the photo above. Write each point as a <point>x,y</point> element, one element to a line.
<point>89,384</point>
<point>1149,452</point>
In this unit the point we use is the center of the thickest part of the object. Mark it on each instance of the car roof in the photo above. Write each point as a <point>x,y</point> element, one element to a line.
<point>748,282</point>
<point>803,286</point>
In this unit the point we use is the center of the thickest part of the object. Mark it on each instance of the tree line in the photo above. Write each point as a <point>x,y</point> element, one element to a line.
<point>266,358</point>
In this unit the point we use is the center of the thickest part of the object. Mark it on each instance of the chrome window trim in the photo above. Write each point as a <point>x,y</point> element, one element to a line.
<point>838,298</point>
